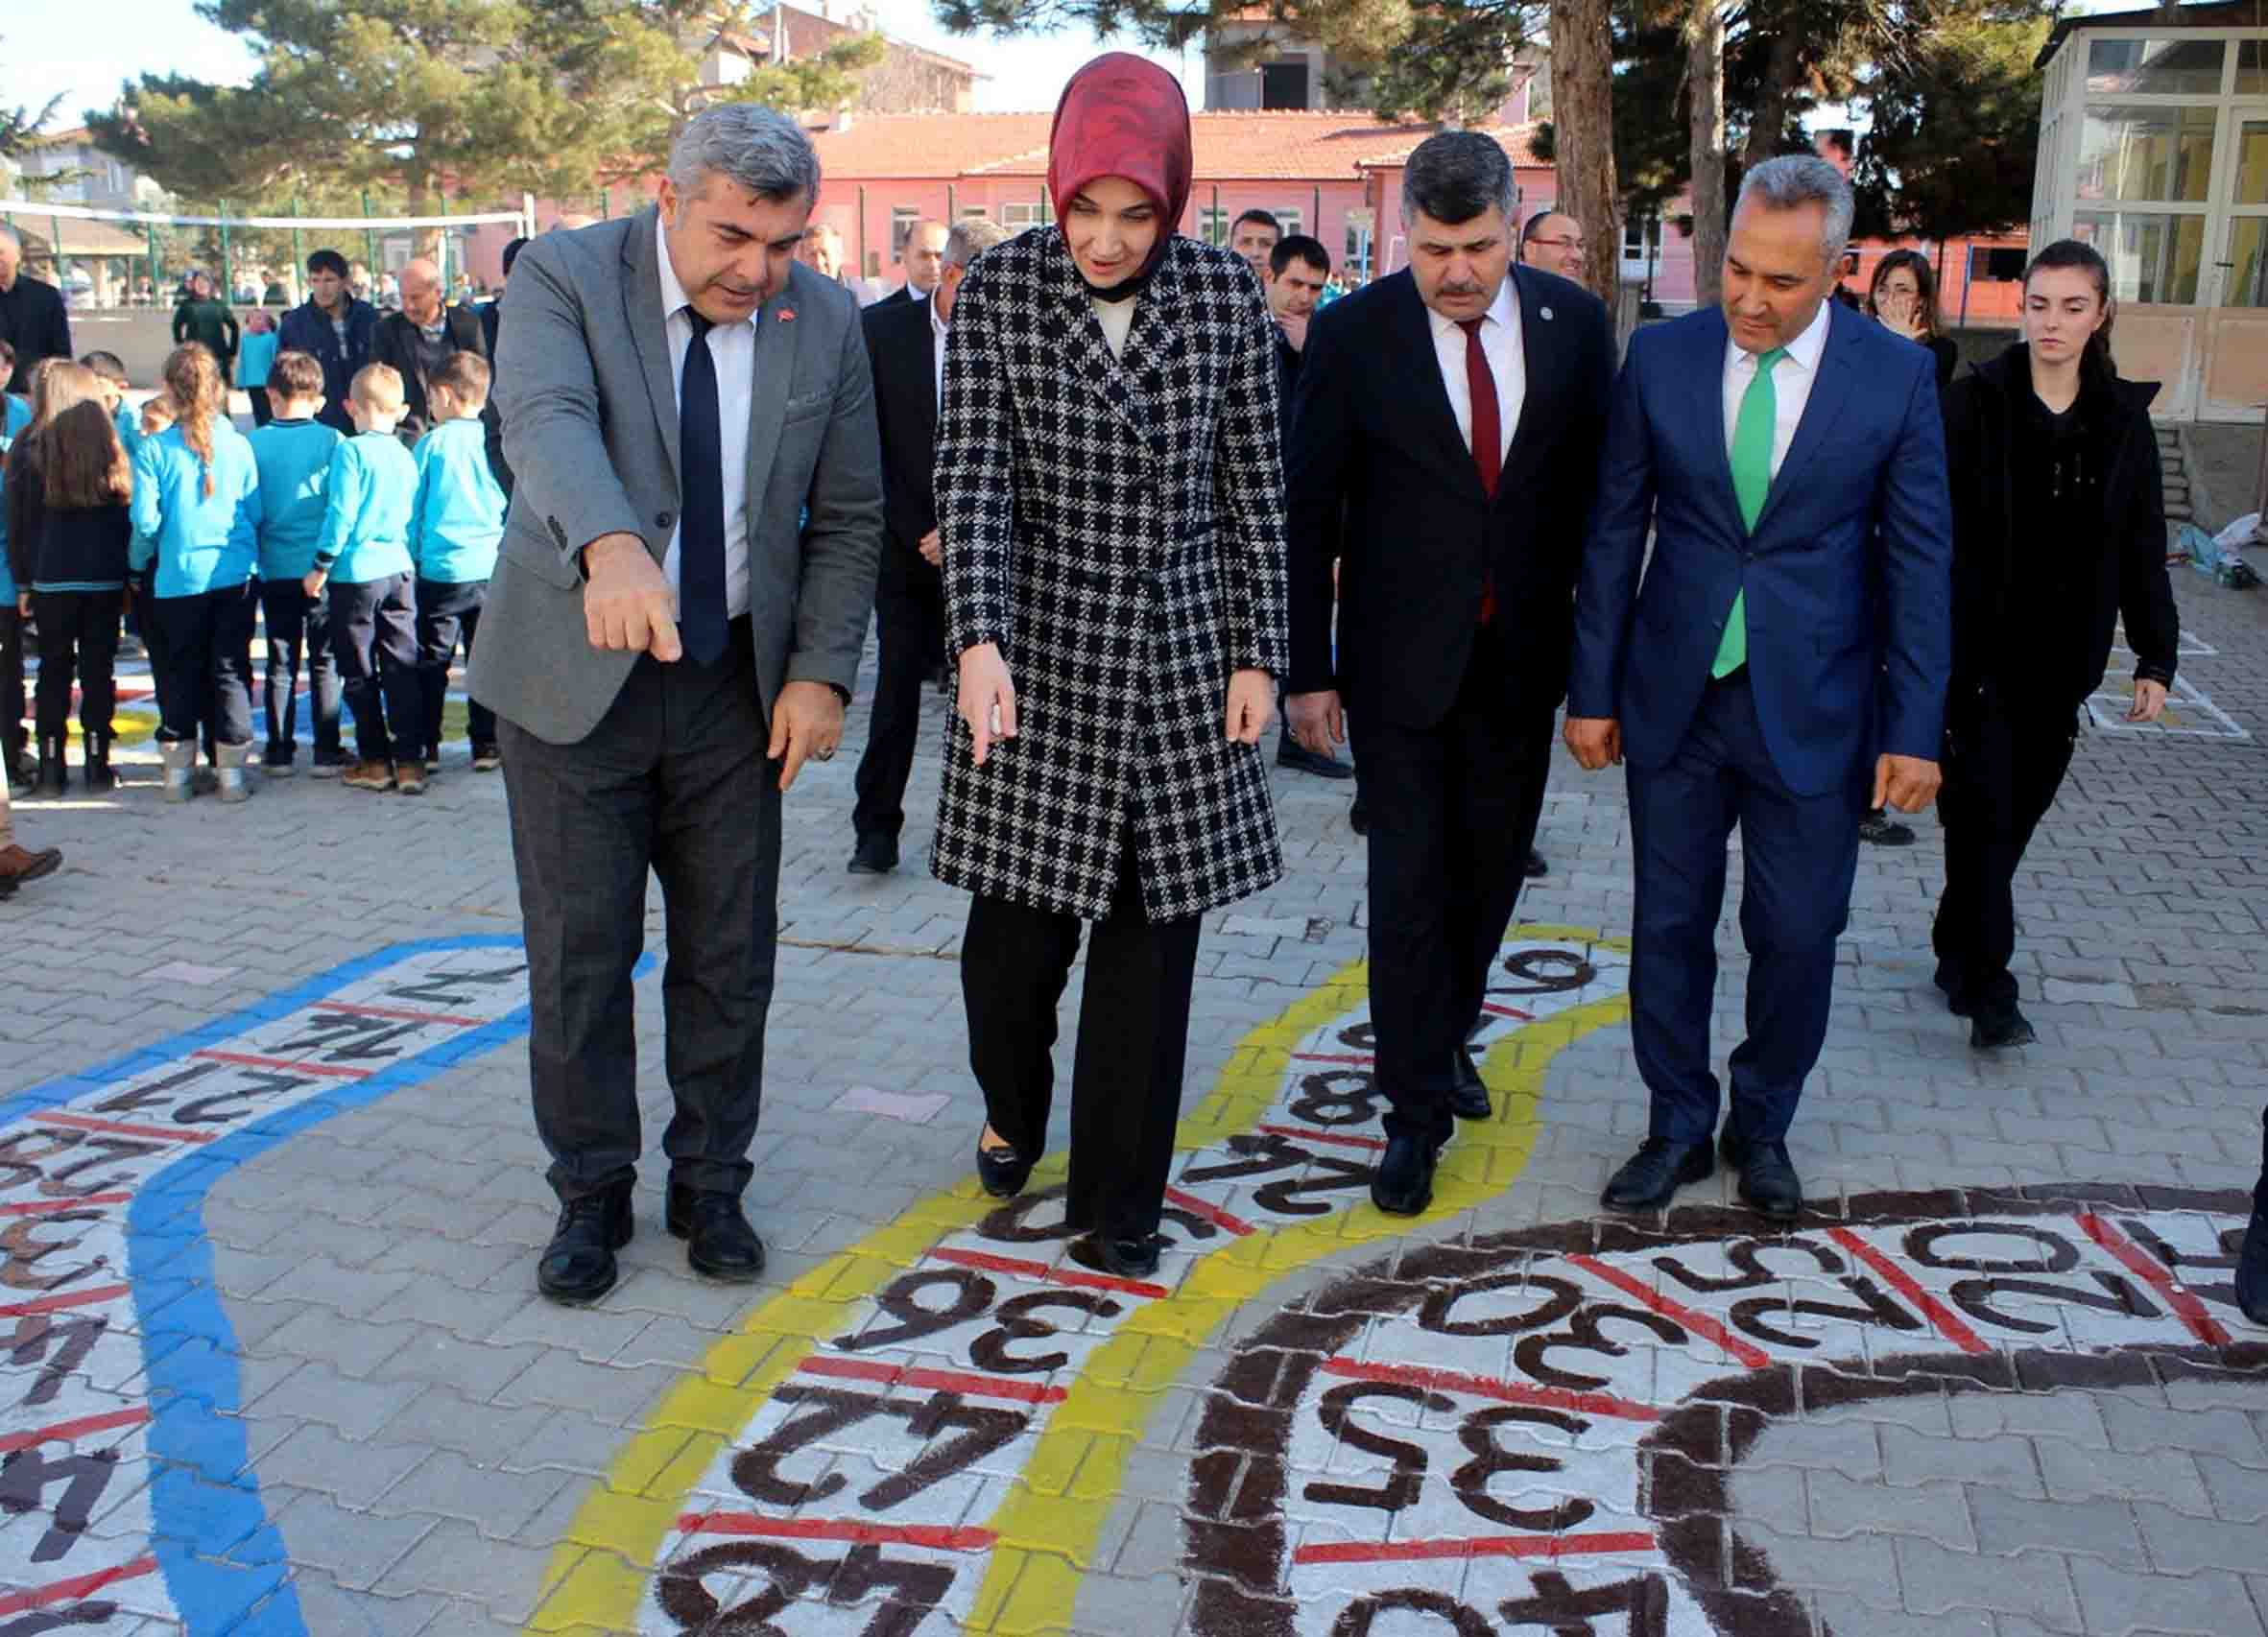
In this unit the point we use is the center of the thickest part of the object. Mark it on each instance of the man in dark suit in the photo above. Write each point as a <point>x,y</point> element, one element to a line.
<point>1782,667</point>
<point>415,339</point>
<point>1443,450</point>
<point>921,259</point>
<point>33,319</point>
<point>906,343</point>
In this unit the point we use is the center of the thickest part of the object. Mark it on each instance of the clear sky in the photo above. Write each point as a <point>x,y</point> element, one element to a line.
<point>50,48</point>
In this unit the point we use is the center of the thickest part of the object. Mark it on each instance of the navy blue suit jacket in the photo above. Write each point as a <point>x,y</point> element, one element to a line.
<point>1848,571</point>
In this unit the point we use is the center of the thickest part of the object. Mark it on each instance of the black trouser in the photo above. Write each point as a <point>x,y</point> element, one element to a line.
<point>1134,1039</point>
<point>299,623</point>
<point>448,615</point>
<point>78,632</point>
<point>911,614</point>
<point>673,779</point>
<point>262,412</point>
<point>11,677</point>
<point>2004,761</point>
<point>1452,811</point>
<point>201,657</point>
<point>375,636</point>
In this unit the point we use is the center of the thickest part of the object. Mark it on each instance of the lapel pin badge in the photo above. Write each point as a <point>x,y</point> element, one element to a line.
<point>1547,315</point>
<point>787,315</point>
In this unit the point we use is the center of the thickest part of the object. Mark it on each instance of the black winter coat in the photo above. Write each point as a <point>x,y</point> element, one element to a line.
<point>2124,559</point>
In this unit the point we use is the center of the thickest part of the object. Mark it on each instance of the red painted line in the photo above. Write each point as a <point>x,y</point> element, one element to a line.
<point>986,1261</point>
<point>1699,1324</point>
<point>932,1536</point>
<point>1476,1546</point>
<point>93,1298</point>
<point>331,1071</point>
<point>1309,1134</point>
<point>121,1128</point>
<point>405,1013</point>
<point>64,1432</point>
<point>1210,1212</point>
<point>66,1591</point>
<point>942,1380</point>
<point>1357,1057</point>
<point>2186,1307</point>
<point>1949,1322</point>
<point>1511,1011</point>
<point>1491,1387</point>
<point>48,1207</point>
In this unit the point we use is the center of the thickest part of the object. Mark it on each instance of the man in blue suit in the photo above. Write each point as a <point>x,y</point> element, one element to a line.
<point>1782,667</point>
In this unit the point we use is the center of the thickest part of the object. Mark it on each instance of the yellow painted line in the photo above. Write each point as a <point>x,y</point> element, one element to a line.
<point>599,1575</point>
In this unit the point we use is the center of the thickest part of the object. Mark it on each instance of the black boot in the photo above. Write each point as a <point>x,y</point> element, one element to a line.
<point>51,764</point>
<point>19,775</point>
<point>99,775</point>
<point>2252,1271</point>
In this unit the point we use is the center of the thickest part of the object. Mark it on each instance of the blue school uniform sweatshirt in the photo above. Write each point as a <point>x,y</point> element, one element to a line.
<point>365,521</point>
<point>200,542</point>
<point>255,353</point>
<point>460,513</point>
<point>19,417</point>
<point>129,424</point>
<point>7,574</point>
<point>295,462</point>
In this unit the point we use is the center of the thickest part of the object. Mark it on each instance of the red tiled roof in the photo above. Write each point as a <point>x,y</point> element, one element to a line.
<point>1294,146</point>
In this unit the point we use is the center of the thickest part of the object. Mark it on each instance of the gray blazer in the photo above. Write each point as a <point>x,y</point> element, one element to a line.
<point>591,430</point>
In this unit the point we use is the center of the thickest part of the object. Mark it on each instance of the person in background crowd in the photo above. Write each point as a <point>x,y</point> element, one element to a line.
<point>68,485</point>
<point>333,327</point>
<point>822,251</point>
<point>2059,533</point>
<point>15,407</point>
<point>34,322</point>
<point>293,453</point>
<point>196,549</point>
<point>414,342</point>
<point>1445,451</point>
<point>110,370</point>
<point>1296,273</point>
<point>362,564</point>
<point>1253,236</point>
<point>275,292</point>
<point>455,525</point>
<point>205,319</point>
<point>17,776</point>
<point>2251,1256</point>
<point>255,354</point>
<point>491,319</point>
<point>1553,241</point>
<point>1781,445</point>
<point>921,260</point>
<point>19,863</point>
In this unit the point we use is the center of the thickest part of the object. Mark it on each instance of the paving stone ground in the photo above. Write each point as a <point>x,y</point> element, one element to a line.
<point>416,1443</point>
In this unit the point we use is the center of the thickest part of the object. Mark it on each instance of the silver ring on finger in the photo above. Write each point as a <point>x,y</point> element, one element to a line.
<point>826,755</point>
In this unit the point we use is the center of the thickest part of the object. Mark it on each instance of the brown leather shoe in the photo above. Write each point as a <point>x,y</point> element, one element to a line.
<point>20,865</point>
<point>370,775</point>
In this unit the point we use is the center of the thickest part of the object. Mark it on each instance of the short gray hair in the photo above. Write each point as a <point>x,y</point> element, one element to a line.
<point>1797,180</point>
<point>971,238</point>
<point>1456,176</point>
<point>13,237</point>
<point>755,147</point>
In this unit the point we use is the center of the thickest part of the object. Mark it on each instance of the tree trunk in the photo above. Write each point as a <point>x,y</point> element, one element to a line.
<point>1772,105</point>
<point>1705,74</point>
<point>1583,134</point>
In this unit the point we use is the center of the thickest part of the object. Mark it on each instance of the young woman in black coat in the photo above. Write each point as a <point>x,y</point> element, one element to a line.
<point>2058,530</point>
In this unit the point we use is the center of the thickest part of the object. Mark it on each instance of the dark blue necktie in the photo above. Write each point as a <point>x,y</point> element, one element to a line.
<point>701,524</point>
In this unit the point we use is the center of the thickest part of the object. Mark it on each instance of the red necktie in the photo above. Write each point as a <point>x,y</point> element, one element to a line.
<point>1488,433</point>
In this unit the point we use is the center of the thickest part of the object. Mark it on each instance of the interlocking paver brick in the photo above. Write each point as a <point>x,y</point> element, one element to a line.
<point>2036,1584</point>
<point>1910,1458</point>
<point>2209,1603</point>
<point>2007,1523</point>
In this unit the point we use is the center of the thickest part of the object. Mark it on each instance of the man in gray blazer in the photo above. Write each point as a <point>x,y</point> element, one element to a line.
<point>672,630</point>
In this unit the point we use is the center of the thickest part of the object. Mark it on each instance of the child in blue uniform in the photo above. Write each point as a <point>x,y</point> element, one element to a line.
<point>458,521</point>
<point>16,413</point>
<point>196,524</point>
<point>294,453</point>
<point>111,370</point>
<point>11,651</point>
<point>362,560</point>
<point>255,357</point>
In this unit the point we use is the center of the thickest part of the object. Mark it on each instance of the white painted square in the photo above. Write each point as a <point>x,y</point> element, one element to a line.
<point>917,1107</point>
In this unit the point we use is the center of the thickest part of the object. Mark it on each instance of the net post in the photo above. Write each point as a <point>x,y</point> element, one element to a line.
<point>227,263</point>
<point>298,245</point>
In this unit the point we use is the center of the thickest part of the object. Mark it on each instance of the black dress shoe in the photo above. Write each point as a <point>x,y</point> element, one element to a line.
<point>1293,754</point>
<point>578,1264</point>
<point>1121,1258</point>
<point>1953,984</point>
<point>1650,1177</point>
<point>1536,867</point>
<point>1358,817</point>
<point>1002,1171</point>
<point>1767,1177</point>
<point>874,855</point>
<point>1468,1096</point>
<point>2000,1026</point>
<point>2252,1271</point>
<point>1879,829</point>
<point>718,1239</point>
<point>1403,1185</point>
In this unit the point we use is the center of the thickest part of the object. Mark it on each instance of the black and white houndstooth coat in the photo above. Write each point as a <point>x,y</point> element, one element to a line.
<point>1116,526</point>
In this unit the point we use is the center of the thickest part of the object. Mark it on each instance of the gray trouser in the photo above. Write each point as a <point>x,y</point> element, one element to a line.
<point>673,779</point>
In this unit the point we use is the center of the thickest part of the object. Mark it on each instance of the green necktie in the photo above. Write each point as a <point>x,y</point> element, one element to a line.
<point>1752,482</point>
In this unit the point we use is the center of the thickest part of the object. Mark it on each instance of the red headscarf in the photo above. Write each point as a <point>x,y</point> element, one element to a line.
<point>1123,115</point>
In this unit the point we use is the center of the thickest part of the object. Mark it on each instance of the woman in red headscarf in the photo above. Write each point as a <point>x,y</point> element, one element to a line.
<point>1110,503</point>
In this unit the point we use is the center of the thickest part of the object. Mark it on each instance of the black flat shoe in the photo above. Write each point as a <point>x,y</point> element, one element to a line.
<point>1002,1171</point>
<point>1468,1096</point>
<point>874,855</point>
<point>578,1264</point>
<point>1953,984</point>
<point>1878,829</point>
<point>1999,1027</point>
<point>1121,1258</point>
<point>1650,1178</point>
<point>1299,759</point>
<point>2252,1271</point>
<point>1767,1182</point>
<point>1358,817</point>
<point>719,1241</point>
<point>1403,1185</point>
<point>1536,867</point>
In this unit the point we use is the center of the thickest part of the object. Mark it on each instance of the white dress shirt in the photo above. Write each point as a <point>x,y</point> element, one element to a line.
<point>733,348</point>
<point>1118,321</point>
<point>1500,344</point>
<point>937,348</point>
<point>1791,383</point>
